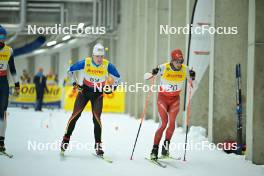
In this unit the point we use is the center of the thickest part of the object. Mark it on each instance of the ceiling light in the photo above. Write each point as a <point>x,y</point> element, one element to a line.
<point>51,43</point>
<point>66,37</point>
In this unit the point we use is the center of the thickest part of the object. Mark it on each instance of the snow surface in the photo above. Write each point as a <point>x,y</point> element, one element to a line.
<point>119,132</point>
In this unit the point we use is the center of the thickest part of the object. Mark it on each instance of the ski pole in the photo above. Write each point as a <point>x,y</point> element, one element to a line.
<point>187,63</point>
<point>187,119</point>
<point>142,116</point>
<point>239,110</point>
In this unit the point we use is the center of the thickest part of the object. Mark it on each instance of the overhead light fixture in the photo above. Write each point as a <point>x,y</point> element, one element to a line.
<point>51,43</point>
<point>66,37</point>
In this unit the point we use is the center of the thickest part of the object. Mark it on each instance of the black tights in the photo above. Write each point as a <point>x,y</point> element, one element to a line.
<point>82,99</point>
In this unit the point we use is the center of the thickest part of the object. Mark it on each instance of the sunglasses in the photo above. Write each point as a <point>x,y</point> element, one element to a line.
<point>178,61</point>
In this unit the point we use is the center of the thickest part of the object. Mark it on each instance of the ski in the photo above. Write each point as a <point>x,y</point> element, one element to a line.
<point>169,158</point>
<point>239,110</point>
<point>103,158</point>
<point>6,154</point>
<point>156,162</point>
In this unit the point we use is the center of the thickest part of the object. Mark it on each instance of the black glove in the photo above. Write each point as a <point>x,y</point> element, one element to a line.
<point>155,71</point>
<point>17,89</point>
<point>192,74</point>
<point>77,86</point>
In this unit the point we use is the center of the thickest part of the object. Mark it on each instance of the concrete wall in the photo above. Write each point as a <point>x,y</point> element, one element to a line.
<point>255,93</point>
<point>200,103</point>
<point>64,62</point>
<point>228,51</point>
<point>125,50</point>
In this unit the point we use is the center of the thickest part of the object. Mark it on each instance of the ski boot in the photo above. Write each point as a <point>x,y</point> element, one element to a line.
<point>98,149</point>
<point>154,152</point>
<point>165,149</point>
<point>64,144</point>
<point>2,144</point>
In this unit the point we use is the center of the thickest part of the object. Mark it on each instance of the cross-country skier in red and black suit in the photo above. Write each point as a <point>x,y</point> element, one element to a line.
<point>172,76</point>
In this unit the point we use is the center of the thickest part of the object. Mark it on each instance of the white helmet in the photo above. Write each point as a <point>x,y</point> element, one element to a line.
<point>98,50</point>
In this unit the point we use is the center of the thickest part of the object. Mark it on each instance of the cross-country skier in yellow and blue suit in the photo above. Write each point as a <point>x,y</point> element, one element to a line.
<point>6,61</point>
<point>97,72</point>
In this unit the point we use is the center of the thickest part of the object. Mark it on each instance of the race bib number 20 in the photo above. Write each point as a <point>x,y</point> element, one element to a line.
<point>172,87</point>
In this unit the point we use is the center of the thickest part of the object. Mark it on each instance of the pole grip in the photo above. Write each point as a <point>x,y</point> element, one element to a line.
<point>238,72</point>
